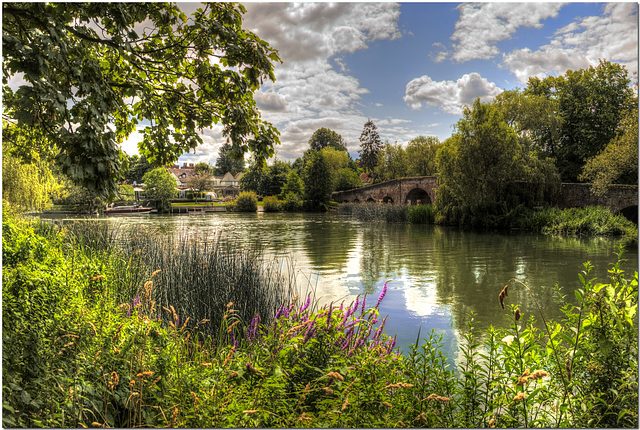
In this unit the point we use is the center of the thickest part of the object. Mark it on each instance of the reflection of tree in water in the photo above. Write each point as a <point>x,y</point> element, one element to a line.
<point>328,243</point>
<point>380,251</point>
<point>473,269</point>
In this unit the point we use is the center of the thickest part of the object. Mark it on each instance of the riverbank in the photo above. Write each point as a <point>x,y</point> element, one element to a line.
<point>76,354</point>
<point>589,221</point>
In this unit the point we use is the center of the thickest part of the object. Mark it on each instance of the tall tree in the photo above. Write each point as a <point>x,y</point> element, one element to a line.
<point>229,161</point>
<point>323,137</point>
<point>392,162</point>
<point>160,185</point>
<point>482,167</point>
<point>205,167</point>
<point>421,156</point>
<point>27,180</point>
<point>91,74</point>
<point>370,145</point>
<point>293,185</point>
<point>139,165</point>
<point>591,103</point>
<point>317,180</point>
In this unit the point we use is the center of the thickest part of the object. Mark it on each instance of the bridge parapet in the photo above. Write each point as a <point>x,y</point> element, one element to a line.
<point>422,189</point>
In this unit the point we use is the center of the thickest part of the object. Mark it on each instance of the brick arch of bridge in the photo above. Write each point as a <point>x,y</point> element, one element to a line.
<point>404,190</point>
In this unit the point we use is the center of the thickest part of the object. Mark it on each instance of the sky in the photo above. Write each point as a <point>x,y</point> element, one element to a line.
<point>411,67</point>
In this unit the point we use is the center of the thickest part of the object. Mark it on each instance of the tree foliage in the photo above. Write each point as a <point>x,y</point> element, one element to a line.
<point>266,181</point>
<point>201,182</point>
<point>28,183</point>
<point>138,166</point>
<point>421,156</point>
<point>293,185</point>
<point>618,162</point>
<point>483,169</point>
<point>229,161</point>
<point>590,104</point>
<point>317,180</point>
<point>160,186</point>
<point>392,162</point>
<point>205,167</point>
<point>323,138</point>
<point>95,71</point>
<point>370,145</point>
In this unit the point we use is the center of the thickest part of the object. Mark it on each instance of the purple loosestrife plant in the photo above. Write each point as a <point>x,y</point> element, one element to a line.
<point>329,315</point>
<point>306,304</point>
<point>364,303</point>
<point>382,294</point>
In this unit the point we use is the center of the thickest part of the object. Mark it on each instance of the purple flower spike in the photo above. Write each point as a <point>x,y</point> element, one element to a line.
<point>329,315</point>
<point>279,313</point>
<point>364,302</point>
<point>355,306</point>
<point>306,304</point>
<point>384,293</point>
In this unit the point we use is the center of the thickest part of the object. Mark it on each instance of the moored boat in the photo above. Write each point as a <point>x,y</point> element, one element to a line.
<point>128,210</point>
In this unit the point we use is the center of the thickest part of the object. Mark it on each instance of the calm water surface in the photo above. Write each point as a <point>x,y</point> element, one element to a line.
<point>437,275</point>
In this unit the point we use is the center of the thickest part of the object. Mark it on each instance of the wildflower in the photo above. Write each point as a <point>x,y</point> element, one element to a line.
<point>327,390</point>
<point>355,306</point>
<point>303,417</point>
<point>230,329</point>
<point>329,315</point>
<point>335,375</point>
<point>504,293</point>
<point>364,303</point>
<point>508,340</point>
<point>382,294</point>
<point>346,402</point>
<point>539,374</point>
<point>306,304</point>
<point>520,396</point>
<point>421,417</point>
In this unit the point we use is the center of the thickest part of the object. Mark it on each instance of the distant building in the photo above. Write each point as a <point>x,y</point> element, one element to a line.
<point>226,185</point>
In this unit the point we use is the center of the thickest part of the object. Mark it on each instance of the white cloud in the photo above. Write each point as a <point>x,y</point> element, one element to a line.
<point>612,36</point>
<point>309,93</point>
<point>449,96</point>
<point>482,25</point>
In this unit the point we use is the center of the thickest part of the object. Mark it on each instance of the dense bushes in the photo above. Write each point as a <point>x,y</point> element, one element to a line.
<point>271,204</point>
<point>247,201</point>
<point>74,355</point>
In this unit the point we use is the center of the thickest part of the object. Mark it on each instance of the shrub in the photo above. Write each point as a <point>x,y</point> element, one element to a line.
<point>271,204</point>
<point>247,201</point>
<point>292,203</point>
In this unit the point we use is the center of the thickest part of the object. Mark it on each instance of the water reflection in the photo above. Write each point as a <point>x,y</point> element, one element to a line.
<point>437,274</point>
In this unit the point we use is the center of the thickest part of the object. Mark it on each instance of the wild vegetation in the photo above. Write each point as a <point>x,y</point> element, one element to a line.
<point>89,341</point>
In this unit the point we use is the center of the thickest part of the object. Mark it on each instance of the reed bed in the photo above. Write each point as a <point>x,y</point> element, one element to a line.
<point>200,276</point>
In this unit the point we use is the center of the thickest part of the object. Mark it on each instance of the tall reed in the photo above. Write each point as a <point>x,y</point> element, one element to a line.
<point>200,276</point>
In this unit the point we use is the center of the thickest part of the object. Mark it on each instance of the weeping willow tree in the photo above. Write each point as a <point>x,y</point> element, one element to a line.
<point>28,184</point>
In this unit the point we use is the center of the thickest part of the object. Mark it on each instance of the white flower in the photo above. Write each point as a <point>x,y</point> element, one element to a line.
<point>508,340</point>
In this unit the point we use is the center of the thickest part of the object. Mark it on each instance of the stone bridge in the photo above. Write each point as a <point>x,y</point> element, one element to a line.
<point>422,190</point>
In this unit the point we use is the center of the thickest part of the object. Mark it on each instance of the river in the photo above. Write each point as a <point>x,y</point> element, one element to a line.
<point>437,275</point>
